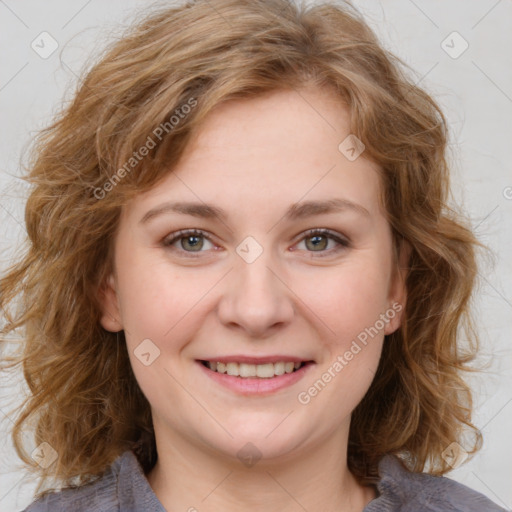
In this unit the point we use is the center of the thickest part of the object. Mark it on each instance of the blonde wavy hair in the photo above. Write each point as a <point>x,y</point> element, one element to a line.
<point>84,400</point>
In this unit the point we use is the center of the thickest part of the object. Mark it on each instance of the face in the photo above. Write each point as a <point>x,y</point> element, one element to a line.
<point>265,244</point>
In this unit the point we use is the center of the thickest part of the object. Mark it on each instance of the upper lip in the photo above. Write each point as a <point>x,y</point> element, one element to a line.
<point>256,360</point>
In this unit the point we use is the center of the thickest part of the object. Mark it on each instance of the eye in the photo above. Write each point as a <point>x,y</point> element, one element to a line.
<point>188,240</point>
<point>317,240</point>
<point>191,241</point>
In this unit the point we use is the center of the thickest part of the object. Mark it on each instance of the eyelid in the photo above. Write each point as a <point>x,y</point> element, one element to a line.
<point>324,231</point>
<point>182,233</point>
<point>342,240</point>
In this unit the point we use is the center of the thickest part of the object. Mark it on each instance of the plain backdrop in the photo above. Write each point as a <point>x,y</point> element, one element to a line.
<point>459,51</point>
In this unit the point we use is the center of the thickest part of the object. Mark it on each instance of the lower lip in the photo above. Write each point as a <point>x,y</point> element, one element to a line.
<point>256,386</point>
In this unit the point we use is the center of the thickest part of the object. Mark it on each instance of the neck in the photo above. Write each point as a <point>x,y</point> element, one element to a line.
<point>195,478</point>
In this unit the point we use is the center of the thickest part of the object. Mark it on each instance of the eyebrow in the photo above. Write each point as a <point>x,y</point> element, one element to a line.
<point>295,212</point>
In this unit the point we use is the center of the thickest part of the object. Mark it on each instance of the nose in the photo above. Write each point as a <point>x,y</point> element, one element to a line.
<point>256,299</point>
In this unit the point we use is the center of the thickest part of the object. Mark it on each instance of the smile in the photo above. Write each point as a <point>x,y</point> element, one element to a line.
<point>244,370</point>
<point>255,379</point>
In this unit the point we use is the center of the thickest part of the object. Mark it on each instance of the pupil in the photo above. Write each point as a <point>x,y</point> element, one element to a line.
<point>194,245</point>
<point>318,241</point>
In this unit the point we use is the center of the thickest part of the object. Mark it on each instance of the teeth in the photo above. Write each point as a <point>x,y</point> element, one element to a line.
<point>279,368</point>
<point>247,370</point>
<point>264,371</point>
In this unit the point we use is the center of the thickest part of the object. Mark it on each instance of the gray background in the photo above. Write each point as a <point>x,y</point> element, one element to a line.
<point>475,90</point>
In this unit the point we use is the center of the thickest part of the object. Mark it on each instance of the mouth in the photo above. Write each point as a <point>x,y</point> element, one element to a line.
<point>266,370</point>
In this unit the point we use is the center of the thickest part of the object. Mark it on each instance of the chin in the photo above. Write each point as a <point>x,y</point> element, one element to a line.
<point>255,446</point>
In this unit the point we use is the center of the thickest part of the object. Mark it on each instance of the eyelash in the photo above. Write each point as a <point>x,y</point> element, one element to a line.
<point>343,243</point>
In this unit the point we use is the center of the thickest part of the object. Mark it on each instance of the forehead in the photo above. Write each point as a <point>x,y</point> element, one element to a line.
<point>275,149</point>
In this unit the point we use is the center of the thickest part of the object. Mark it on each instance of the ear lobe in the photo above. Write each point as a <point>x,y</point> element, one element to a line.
<point>110,313</point>
<point>398,290</point>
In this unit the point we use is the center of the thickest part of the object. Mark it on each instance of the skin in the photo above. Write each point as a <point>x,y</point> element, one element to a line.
<point>254,158</point>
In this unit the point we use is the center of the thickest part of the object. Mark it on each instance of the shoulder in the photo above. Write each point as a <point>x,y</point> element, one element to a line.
<point>404,491</point>
<point>98,495</point>
<point>122,488</point>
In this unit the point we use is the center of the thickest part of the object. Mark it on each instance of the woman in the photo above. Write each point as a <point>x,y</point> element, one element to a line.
<point>244,286</point>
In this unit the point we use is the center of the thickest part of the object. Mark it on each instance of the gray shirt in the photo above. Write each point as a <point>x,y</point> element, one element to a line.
<point>124,488</point>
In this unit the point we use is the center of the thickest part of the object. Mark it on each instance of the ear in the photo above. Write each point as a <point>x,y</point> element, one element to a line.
<point>110,311</point>
<point>397,297</point>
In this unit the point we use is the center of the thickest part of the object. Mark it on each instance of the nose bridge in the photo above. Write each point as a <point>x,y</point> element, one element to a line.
<point>257,299</point>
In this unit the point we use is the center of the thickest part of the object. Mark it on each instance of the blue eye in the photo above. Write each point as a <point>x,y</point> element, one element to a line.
<point>189,241</point>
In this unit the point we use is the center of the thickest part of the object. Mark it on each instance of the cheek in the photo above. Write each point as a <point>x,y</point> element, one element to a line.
<point>349,298</point>
<point>350,303</point>
<point>161,305</point>
<point>155,297</point>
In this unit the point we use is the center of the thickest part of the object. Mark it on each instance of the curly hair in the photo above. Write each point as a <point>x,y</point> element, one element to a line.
<point>84,399</point>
